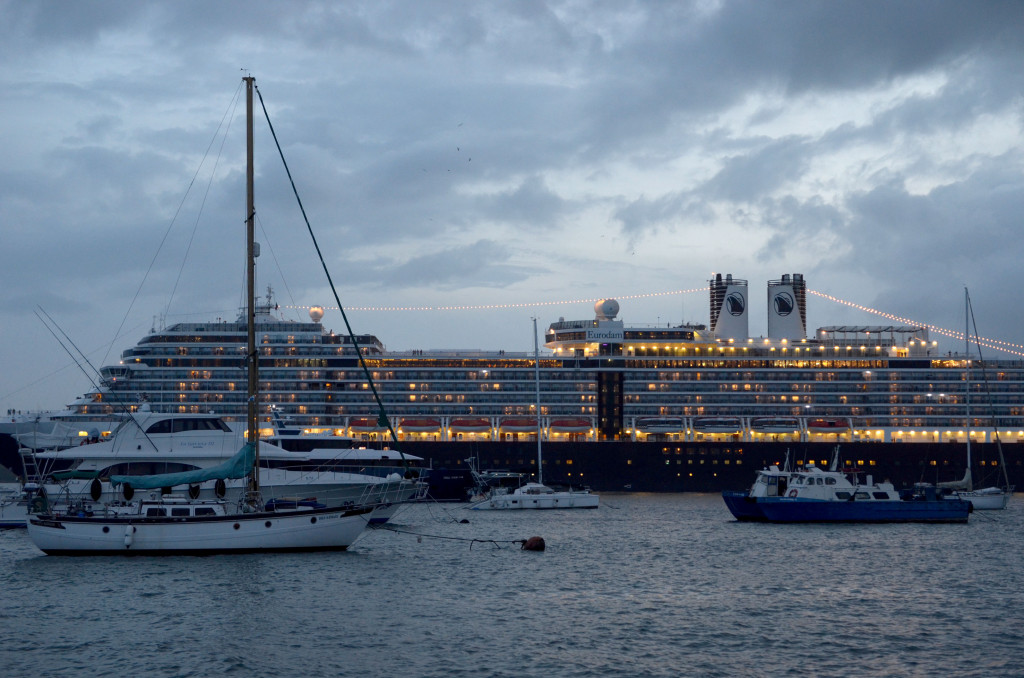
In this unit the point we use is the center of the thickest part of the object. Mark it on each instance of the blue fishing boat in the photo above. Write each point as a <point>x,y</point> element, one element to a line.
<point>814,495</point>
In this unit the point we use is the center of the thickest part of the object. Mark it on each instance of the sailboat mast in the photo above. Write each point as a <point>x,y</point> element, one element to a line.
<point>250,296</point>
<point>967,399</point>
<point>536,374</point>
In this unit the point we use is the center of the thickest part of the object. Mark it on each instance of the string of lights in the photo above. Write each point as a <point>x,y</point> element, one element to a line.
<point>995,344</point>
<point>492,307</point>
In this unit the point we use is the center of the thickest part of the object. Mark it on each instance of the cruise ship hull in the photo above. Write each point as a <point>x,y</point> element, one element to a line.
<point>631,466</point>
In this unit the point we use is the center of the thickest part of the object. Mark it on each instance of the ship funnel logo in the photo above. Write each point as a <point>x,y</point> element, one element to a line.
<point>735,304</point>
<point>783,304</point>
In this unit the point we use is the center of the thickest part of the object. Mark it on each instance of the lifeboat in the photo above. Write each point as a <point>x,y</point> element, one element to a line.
<point>365,425</point>
<point>570,425</point>
<point>828,426</point>
<point>775,425</point>
<point>659,425</point>
<point>478,425</point>
<point>410,425</point>
<point>718,425</point>
<point>520,425</point>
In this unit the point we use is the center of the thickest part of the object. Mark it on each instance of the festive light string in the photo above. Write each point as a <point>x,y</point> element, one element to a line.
<point>995,344</point>
<point>491,307</point>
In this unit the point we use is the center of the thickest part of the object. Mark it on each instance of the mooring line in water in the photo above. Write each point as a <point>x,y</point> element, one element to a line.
<point>419,537</point>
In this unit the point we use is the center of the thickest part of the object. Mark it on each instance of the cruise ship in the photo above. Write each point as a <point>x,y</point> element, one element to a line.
<point>688,407</point>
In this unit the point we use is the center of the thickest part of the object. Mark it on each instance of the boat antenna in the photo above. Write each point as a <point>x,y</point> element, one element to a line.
<point>536,372</point>
<point>382,417</point>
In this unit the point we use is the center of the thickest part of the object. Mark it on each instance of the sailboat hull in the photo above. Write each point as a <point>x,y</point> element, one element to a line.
<point>264,532</point>
<point>993,499</point>
<point>536,496</point>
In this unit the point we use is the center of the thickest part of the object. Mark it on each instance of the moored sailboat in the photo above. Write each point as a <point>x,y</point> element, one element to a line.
<point>991,498</point>
<point>182,525</point>
<point>536,495</point>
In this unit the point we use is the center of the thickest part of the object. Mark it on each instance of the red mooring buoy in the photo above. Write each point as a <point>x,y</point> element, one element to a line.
<point>533,544</point>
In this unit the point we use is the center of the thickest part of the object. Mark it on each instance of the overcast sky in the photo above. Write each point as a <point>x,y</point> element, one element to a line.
<point>502,153</point>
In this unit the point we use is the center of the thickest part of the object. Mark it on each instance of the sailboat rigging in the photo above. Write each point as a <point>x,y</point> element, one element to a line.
<point>174,524</point>
<point>537,495</point>
<point>988,498</point>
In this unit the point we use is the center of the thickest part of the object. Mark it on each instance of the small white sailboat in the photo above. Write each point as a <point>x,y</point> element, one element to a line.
<point>177,524</point>
<point>988,498</point>
<point>536,495</point>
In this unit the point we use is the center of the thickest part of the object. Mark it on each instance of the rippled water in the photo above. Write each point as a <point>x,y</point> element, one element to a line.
<point>647,585</point>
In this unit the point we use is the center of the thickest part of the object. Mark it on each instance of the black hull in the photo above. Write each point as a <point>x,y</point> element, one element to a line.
<point>624,466</point>
<point>714,467</point>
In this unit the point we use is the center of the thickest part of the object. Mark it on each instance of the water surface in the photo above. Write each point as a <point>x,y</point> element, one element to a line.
<point>647,585</point>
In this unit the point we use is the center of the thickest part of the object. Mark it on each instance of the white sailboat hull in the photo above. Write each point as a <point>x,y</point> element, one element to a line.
<point>304,530</point>
<point>535,496</point>
<point>989,499</point>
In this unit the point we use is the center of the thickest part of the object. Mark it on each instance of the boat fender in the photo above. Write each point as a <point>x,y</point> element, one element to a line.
<point>128,491</point>
<point>193,491</point>
<point>95,489</point>
<point>219,488</point>
<point>129,536</point>
<point>792,493</point>
<point>533,544</point>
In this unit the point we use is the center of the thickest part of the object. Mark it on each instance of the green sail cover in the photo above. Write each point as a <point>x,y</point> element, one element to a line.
<point>238,466</point>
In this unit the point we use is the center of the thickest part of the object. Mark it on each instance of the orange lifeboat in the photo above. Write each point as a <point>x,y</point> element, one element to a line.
<point>364,425</point>
<point>479,425</point>
<point>828,426</point>
<point>520,425</point>
<point>718,425</point>
<point>570,425</point>
<point>410,425</point>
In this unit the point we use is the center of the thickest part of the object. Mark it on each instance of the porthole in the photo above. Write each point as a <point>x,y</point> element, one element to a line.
<point>237,526</point>
<point>106,529</point>
<point>313,520</point>
<point>267,523</point>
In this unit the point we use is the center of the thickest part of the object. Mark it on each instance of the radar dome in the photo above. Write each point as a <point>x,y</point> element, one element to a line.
<point>316,313</point>
<point>606,309</point>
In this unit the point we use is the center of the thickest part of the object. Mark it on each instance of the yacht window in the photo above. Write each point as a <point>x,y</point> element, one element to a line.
<point>842,495</point>
<point>820,481</point>
<point>204,511</point>
<point>177,512</point>
<point>204,424</point>
<point>863,495</point>
<point>156,512</point>
<point>881,495</point>
<point>830,481</point>
<point>162,426</point>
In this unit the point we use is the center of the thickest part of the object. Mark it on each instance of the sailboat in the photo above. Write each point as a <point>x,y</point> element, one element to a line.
<point>537,495</point>
<point>178,524</point>
<point>987,498</point>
